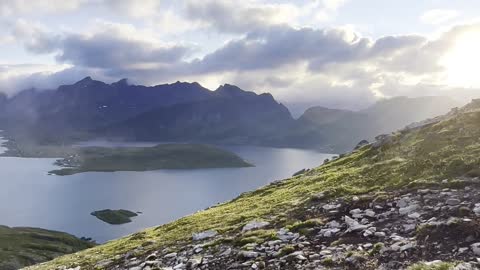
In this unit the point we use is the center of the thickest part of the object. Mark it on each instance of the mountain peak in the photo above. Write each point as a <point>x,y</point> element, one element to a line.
<point>229,90</point>
<point>86,79</point>
<point>84,82</point>
<point>122,82</point>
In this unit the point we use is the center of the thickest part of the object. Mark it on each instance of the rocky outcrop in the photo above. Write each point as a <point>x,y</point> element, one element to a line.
<point>382,231</point>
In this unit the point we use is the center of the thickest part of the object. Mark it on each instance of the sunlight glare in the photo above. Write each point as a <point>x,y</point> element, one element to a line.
<point>462,61</point>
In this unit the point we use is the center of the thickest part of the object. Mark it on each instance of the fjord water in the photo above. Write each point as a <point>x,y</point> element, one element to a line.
<point>30,197</point>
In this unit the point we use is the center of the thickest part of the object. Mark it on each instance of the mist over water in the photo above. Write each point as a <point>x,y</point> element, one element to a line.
<point>30,197</point>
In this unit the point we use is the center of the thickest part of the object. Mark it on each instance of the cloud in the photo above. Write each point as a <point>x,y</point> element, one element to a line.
<point>25,76</point>
<point>35,37</point>
<point>17,7</point>
<point>134,8</point>
<point>108,46</point>
<point>438,16</point>
<point>239,16</point>
<point>304,65</point>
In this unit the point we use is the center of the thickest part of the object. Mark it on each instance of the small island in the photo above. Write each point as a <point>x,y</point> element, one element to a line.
<point>114,217</point>
<point>162,156</point>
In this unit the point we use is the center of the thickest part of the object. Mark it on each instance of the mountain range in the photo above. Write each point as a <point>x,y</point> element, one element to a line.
<point>189,112</point>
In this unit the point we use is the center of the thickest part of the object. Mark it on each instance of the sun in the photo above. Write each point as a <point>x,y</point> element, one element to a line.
<point>462,62</point>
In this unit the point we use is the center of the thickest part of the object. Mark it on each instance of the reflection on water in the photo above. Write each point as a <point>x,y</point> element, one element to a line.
<point>30,197</point>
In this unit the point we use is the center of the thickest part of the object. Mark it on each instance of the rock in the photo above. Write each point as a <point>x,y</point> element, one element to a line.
<point>408,209</point>
<point>453,201</point>
<point>353,225</point>
<point>370,213</point>
<point>408,246</point>
<point>414,215</point>
<point>333,224</point>
<point>248,254</point>
<point>361,144</point>
<point>476,209</point>
<point>433,263</point>
<point>103,264</point>
<point>331,206</point>
<point>382,140</point>
<point>204,235</point>
<point>319,196</point>
<point>253,225</point>
<point>475,248</point>
<point>179,266</point>
<point>369,232</point>
<point>409,227</point>
<point>170,255</point>
<point>465,266</point>
<point>329,232</point>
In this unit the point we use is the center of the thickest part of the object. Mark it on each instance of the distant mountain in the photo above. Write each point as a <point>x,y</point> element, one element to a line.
<point>188,112</point>
<point>232,116</point>
<point>179,111</point>
<point>317,116</point>
<point>340,130</point>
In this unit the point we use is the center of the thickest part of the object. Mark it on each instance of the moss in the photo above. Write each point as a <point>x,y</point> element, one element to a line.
<point>307,224</point>
<point>376,248</point>
<point>257,236</point>
<point>437,266</point>
<point>328,262</point>
<point>287,250</point>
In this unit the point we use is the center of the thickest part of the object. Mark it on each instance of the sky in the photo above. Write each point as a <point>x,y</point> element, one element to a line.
<point>335,53</point>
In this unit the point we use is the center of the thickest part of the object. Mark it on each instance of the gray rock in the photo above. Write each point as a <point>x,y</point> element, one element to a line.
<point>408,209</point>
<point>353,225</point>
<point>253,225</point>
<point>204,235</point>
<point>475,248</point>
<point>248,254</point>
<point>453,201</point>
<point>170,255</point>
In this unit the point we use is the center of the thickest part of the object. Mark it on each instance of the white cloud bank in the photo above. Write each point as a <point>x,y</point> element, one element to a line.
<point>269,51</point>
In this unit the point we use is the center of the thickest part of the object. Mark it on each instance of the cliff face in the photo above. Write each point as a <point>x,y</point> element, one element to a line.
<point>408,198</point>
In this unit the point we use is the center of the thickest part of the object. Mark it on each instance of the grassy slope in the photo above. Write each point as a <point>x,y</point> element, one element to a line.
<point>163,156</point>
<point>417,158</point>
<point>25,246</point>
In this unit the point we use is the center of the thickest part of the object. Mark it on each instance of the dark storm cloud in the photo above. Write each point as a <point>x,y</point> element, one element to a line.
<point>109,51</point>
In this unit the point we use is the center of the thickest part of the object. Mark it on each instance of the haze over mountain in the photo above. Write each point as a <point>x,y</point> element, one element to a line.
<point>189,112</point>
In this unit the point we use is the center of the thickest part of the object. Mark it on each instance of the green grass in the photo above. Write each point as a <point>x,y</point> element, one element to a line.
<point>414,159</point>
<point>437,266</point>
<point>25,246</point>
<point>162,156</point>
<point>114,216</point>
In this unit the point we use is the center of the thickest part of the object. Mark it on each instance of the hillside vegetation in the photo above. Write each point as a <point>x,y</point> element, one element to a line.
<point>437,160</point>
<point>20,247</point>
<point>162,156</point>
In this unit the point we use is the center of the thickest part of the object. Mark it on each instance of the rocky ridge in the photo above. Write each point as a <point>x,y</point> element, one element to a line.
<point>383,231</point>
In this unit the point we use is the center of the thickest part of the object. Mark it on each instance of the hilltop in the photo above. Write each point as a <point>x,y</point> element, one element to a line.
<point>408,198</point>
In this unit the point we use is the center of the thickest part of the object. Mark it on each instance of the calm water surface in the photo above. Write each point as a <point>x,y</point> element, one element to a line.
<point>30,197</point>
